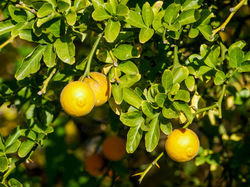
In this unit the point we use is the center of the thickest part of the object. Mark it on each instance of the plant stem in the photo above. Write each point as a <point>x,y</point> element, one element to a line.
<point>220,100</point>
<point>90,57</point>
<point>217,104</point>
<point>7,42</point>
<point>23,6</point>
<point>142,174</point>
<point>46,82</point>
<point>233,11</point>
<point>11,168</point>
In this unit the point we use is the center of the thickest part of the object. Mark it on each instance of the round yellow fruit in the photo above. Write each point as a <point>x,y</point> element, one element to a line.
<point>101,86</point>
<point>77,98</point>
<point>114,148</point>
<point>182,145</point>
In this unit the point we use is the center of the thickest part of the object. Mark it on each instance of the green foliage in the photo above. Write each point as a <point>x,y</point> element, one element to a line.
<point>159,58</point>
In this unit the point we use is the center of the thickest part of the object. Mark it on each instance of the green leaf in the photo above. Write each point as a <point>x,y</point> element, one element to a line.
<point>3,163</point>
<point>134,137</point>
<point>71,17</point>
<point>182,95</point>
<point>206,31</point>
<point>160,99</point>
<point>31,64</point>
<point>13,137</point>
<point>203,69</point>
<point>174,89</point>
<point>219,78</point>
<point>152,136</point>
<point>55,27</point>
<point>112,30</point>
<point>171,13</point>
<point>157,22</point>
<point>125,52</point>
<point>239,44</point>
<point>2,147</point>
<point>193,33</point>
<point>46,19</point>
<point>98,3</point>
<point>131,97</point>
<point>65,50</point>
<point>49,56</point>
<point>157,7</point>
<point>117,92</point>
<point>17,14</point>
<point>189,16</point>
<point>180,74</point>
<point>100,14</point>
<point>167,80</point>
<point>244,67</point>
<point>13,147</point>
<point>235,57</point>
<point>129,80</point>
<point>14,183</point>
<point>165,126</point>
<point>132,119</point>
<point>25,148</point>
<point>122,10</point>
<point>135,19</point>
<point>145,34</point>
<point>80,4</point>
<point>44,10</point>
<point>147,109</point>
<point>191,4</point>
<point>6,26</point>
<point>183,107</point>
<point>63,5</point>
<point>170,112</point>
<point>212,56</point>
<point>147,14</point>
<point>128,67</point>
<point>190,83</point>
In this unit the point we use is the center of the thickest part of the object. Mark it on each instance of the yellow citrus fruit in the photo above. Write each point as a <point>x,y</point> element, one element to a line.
<point>95,165</point>
<point>114,148</point>
<point>101,86</point>
<point>77,98</point>
<point>182,145</point>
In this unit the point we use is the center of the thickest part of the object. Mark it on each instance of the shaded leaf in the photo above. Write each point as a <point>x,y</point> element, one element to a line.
<point>147,109</point>
<point>134,137</point>
<point>25,148</point>
<point>145,34</point>
<point>112,30</point>
<point>152,136</point>
<point>132,119</point>
<point>31,64</point>
<point>65,50</point>
<point>131,97</point>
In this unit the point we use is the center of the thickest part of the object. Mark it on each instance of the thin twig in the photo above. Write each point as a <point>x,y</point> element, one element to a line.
<point>142,174</point>
<point>46,82</point>
<point>217,104</point>
<point>7,42</point>
<point>233,11</point>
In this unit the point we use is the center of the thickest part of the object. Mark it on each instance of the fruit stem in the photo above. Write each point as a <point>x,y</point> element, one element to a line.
<point>233,11</point>
<point>90,57</point>
<point>7,42</point>
<point>142,174</point>
<point>46,82</point>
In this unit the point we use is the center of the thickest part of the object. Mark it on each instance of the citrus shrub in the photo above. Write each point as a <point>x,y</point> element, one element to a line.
<point>95,165</point>
<point>114,148</point>
<point>77,98</point>
<point>182,145</point>
<point>101,87</point>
